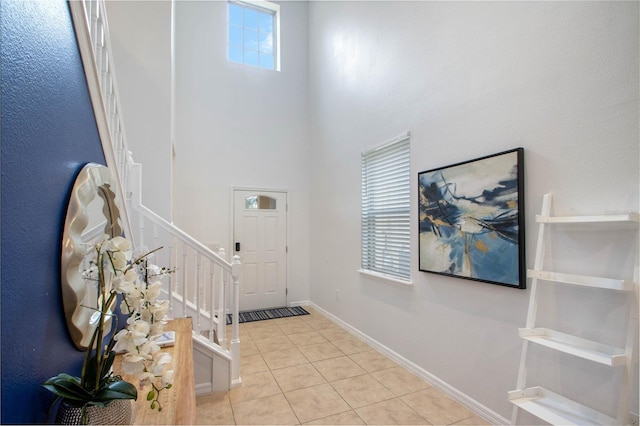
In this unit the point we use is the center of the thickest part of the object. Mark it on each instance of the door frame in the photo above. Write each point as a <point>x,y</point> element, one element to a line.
<point>232,225</point>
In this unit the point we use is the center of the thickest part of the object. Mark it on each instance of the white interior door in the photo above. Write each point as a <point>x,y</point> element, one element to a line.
<point>260,239</point>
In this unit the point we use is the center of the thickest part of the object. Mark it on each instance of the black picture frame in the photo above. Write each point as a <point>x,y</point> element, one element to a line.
<point>471,220</point>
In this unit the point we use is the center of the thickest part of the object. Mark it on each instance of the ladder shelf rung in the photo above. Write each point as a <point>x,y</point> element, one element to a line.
<point>577,346</point>
<point>583,280</point>
<point>556,409</point>
<point>629,220</point>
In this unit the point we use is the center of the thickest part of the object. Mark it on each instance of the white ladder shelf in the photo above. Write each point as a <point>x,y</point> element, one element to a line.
<point>544,404</point>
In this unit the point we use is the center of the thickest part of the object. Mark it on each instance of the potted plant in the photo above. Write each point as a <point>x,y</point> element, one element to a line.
<point>98,391</point>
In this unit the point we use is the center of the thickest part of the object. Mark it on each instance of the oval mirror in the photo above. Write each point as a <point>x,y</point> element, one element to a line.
<point>91,213</point>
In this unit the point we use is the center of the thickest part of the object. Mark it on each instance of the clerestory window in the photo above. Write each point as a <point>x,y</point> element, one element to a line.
<point>253,33</point>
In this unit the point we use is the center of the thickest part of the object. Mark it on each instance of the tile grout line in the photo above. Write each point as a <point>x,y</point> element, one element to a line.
<point>295,324</point>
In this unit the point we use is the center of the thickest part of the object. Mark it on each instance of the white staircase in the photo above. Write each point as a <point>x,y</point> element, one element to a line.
<point>204,285</point>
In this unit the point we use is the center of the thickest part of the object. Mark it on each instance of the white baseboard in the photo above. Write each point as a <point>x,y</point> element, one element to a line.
<point>473,405</point>
<point>204,389</point>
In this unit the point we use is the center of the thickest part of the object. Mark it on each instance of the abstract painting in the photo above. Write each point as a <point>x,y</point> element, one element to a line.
<point>471,219</point>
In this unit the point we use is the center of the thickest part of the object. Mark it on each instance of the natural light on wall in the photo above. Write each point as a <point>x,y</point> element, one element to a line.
<point>345,52</point>
<point>356,59</point>
<point>253,36</point>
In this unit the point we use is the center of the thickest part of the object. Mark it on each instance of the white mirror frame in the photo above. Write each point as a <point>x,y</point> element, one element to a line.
<point>94,180</point>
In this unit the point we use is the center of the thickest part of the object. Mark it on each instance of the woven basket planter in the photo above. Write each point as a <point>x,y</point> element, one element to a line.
<point>118,412</point>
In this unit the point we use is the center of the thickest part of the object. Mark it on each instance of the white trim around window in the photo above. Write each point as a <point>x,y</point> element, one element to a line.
<point>385,217</point>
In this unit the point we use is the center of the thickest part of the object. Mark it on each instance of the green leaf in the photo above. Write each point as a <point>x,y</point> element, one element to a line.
<point>117,390</point>
<point>66,386</point>
<point>90,373</point>
<point>63,377</point>
<point>107,363</point>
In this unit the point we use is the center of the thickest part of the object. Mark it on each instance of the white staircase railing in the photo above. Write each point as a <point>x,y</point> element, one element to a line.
<point>200,286</point>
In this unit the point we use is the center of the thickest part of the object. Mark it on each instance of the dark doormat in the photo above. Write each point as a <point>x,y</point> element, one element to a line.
<point>265,314</point>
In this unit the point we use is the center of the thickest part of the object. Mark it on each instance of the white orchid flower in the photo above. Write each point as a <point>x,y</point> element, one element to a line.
<point>157,328</point>
<point>154,290</point>
<point>146,378</point>
<point>119,260</point>
<point>110,260</point>
<point>131,276</point>
<point>167,378</point>
<point>119,244</point>
<point>159,362</point>
<point>124,341</point>
<point>154,270</point>
<point>133,366</point>
<point>149,348</point>
<point>138,326</point>
<point>124,308</point>
<point>159,308</point>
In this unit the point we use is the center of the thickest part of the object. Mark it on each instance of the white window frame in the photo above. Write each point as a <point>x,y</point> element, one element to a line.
<point>268,6</point>
<point>386,193</point>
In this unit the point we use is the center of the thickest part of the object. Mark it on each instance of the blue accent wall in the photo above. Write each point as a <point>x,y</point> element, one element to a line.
<point>48,133</point>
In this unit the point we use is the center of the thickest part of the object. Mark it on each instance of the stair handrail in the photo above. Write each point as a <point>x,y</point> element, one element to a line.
<point>184,237</point>
<point>92,33</point>
<point>233,268</point>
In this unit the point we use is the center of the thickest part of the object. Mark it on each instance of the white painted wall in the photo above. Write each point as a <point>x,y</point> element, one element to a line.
<point>470,79</point>
<point>467,79</point>
<point>239,126</point>
<point>141,38</point>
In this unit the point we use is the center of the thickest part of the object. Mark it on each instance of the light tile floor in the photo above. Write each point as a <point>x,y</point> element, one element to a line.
<point>307,370</point>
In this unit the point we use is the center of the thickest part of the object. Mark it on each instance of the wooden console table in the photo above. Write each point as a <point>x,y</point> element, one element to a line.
<point>179,402</point>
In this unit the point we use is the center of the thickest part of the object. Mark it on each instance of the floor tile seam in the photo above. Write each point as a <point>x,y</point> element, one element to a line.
<point>270,335</point>
<point>323,359</point>
<point>360,375</point>
<point>345,378</point>
<point>290,329</point>
<point>429,420</point>
<point>310,344</point>
<point>288,333</point>
<point>252,400</point>
<point>245,336</point>
<point>342,412</point>
<point>297,365</point>
<point>265,353</point>
<point>288,321</point>
<point>312,320</point>
<point>258,346</point>
<point>385,369</point>
<point>470,417</point>
<point>307,358</point>
<point>392,399</point>
<point>326,341</point>
<point>285,396</point>
<point>309,387</point>
<point>233,413</point>
<point>357,351</point>
<point>265,397</point>
<point>357,363</point>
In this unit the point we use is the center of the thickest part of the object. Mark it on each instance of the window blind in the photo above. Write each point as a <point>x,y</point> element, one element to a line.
<point>385,210</point>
